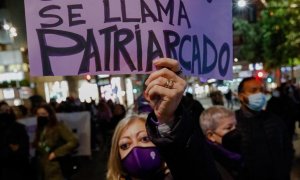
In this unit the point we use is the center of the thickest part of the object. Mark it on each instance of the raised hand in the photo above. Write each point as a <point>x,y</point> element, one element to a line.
<point>165,88</point>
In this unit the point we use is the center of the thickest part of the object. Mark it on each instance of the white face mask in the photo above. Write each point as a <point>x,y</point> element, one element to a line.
<point>257,101</point>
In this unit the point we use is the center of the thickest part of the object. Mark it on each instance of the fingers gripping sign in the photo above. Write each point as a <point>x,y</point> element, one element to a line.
<point>171,64</point>
<point>165,89</point>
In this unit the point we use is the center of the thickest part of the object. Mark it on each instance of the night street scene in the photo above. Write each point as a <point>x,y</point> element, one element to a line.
<point>149,90</point>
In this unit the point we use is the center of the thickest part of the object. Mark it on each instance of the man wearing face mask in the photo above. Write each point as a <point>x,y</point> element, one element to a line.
<point>265,144</point>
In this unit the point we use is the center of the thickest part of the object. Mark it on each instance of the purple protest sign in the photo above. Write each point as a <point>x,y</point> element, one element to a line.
<point>73,37</point>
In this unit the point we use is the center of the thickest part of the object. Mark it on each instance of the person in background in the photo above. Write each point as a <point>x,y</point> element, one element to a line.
<point>103,120</point>
<point>265,145</point>
<point>55,105</point>
<point>218,123</point>
<point>216,97</point>
<point>111,105</point>
<point>35,101</point>
<point>118,114</point>
<point>14,146</point>
<point>133,156</point>
<point>284,107</point>
<point>142,106</point>
<point>53,140</point>
<point>23,111</point>
<point>173,129</point>
<point>229,99</point>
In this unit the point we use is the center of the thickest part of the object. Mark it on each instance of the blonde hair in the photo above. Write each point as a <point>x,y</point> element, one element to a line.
<point>114,166</point>
<point>210,118</point>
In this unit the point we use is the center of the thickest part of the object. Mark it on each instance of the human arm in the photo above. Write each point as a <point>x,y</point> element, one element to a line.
<point>70,140</point>
<point>183,148</point>
<point>163,99</point>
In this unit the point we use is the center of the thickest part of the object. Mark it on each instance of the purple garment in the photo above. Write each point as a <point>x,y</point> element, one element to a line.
<point>229,154</point>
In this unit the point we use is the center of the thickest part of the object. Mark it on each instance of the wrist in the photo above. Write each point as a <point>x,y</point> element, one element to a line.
<point>164,129</point>
<point>164,126</point>
<point>165,119</point>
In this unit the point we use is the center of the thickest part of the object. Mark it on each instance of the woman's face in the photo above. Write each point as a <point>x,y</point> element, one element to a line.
<point>132,136</point>
<point>225,125</point>
<point>42,112</point>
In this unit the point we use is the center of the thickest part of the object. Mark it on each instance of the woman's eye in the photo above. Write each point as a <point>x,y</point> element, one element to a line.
<point>145,139</point>
<point>124,146</point>
<point>229,128</point>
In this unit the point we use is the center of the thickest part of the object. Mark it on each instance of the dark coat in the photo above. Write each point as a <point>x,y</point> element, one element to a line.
<point>13,164</point>
<point>60,140</point>
<point>184,149</point>
<point>286,109</point>
<point>229,163</point>
<point>193,107</point>
<point>265,147</point>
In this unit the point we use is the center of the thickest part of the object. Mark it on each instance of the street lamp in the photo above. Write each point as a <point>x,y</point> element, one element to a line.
<point>6,27</point>
<point>242,3</point>
<point>13,32</point>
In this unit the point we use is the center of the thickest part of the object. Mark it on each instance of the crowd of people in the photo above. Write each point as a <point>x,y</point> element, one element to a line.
<point>54,142</point>
<point>175,142</point>
<point>177,138</point>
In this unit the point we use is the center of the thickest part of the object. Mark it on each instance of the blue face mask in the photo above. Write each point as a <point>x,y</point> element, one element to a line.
<point>256,101</point>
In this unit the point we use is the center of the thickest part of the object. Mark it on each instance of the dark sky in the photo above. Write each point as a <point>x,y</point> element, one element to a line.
<point>14,11</point>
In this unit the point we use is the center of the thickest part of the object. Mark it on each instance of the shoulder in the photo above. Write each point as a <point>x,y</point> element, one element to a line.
<point>238,114</point>
<point>197,103</point>
<point>19,126</point>
<point>273,120</point>
<point>61,126</point>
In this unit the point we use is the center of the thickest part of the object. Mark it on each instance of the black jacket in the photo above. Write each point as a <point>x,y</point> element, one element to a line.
<point>184,149</point>
<point>229,163</point>
<point>286,109</point>
<point>265,146</point>
<point>13,164</point>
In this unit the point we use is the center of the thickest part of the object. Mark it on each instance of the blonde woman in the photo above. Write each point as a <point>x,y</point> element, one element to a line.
<point>133,156</point>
